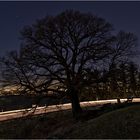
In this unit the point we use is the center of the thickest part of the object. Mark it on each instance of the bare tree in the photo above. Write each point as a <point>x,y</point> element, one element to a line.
<point>132,73</point>
<point>65,47</point>
<point>25,77</point>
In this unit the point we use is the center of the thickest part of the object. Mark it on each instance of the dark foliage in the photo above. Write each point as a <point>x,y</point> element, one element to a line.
<point>66,54</point>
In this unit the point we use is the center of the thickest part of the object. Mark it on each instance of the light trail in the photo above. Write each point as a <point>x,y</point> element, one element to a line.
<point>46,109</point>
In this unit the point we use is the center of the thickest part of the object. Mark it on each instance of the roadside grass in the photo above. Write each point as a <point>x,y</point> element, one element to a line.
<point>36,126</point>
<point>108,123</point>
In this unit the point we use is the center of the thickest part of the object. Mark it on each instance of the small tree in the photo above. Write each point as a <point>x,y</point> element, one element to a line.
<point>132,73</point>
<point>123,78</point>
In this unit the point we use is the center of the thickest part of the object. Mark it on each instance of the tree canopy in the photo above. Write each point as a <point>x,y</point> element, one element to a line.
<point>64,51</point>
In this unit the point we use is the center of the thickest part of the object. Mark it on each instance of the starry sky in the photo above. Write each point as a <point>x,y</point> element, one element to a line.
<point>15,15</point>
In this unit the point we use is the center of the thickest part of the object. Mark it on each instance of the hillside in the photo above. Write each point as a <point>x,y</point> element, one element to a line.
<point>120,123</point>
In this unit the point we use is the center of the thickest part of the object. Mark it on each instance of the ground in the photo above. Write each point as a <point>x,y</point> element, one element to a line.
<point>113,121</point>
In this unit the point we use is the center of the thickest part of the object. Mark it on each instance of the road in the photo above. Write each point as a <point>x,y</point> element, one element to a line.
<point>39,110</point>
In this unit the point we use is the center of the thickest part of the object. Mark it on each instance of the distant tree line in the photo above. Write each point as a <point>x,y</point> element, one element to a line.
<point>123,81</point>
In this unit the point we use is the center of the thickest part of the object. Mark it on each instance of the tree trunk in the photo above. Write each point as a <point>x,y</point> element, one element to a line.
<point>76,109</point>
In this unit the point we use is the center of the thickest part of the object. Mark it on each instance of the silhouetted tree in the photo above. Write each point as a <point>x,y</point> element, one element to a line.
<point>138,84</point>
<point>132,72</point>
<point>25,77</point>
<point>65,47</point>
<point>124,49</point>
<point>123,78</point>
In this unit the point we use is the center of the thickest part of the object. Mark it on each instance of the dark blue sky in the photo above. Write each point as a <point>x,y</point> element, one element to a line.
<point>15,15</point>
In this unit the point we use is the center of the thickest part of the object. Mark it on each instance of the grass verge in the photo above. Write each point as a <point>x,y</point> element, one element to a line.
<point>121,123</point>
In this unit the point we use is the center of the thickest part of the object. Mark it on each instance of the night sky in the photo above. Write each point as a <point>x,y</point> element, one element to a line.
<point>15,15</point>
